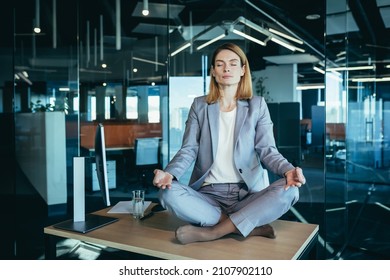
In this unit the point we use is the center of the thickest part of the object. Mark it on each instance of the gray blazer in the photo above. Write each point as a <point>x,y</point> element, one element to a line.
<point>254,143</point>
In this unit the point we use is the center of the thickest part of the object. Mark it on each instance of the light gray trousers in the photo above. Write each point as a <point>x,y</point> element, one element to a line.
<point>247,211</point>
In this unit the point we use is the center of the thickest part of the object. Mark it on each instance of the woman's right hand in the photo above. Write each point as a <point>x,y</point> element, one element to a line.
<point>162,179</point>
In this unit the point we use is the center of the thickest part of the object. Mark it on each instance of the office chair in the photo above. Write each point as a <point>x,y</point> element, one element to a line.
<point>147,158</point>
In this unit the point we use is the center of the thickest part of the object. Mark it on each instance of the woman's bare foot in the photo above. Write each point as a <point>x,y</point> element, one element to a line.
<point>265,231</point>
<point>188,234</point>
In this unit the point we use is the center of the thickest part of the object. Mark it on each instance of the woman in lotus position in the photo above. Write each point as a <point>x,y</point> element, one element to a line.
<point>229,135</point>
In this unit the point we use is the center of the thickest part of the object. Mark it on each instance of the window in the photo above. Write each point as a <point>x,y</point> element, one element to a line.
<point>107,107</point>
<point>92,108</point>
<point>154,109</point>
<point>132,107</point>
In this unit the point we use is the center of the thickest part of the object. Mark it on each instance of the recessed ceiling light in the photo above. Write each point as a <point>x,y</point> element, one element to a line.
<point>313,16</point>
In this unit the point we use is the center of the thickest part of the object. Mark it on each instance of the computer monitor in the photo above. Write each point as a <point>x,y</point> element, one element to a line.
<point>101,163</point>
<point>93,221</point>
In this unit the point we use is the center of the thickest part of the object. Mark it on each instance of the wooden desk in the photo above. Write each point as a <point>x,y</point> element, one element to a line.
<point>112,149</point>
<point>155,236</point>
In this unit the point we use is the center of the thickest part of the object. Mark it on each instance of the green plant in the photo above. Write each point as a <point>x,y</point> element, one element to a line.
<point>260,88</point>
<point>39,107</point>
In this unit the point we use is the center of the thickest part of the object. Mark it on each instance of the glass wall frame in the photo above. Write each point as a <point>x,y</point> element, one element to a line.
<point>109,63</point>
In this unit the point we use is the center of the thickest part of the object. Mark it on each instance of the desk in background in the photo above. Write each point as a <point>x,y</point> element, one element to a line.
<point>118,163</point>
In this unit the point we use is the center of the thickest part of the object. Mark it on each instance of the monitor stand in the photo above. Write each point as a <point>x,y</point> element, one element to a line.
<point>82,223</point>
<point>90,223</point>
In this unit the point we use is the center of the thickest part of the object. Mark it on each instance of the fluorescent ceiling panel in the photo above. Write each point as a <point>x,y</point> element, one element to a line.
<point>292,59</point>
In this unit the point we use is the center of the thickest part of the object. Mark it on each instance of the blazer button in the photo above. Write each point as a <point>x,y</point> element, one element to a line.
<point>240,170</point>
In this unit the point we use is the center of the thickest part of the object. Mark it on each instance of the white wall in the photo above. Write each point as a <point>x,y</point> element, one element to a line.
<point>281,82</point>
<point>41,153</point>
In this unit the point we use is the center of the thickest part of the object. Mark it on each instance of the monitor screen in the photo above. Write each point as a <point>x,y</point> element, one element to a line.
<point>101,163</point>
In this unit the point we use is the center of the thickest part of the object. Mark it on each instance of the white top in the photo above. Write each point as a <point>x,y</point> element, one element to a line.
<point>223,169</point>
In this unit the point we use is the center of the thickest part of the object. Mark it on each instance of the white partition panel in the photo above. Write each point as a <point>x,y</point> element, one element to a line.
<point>41,153</point>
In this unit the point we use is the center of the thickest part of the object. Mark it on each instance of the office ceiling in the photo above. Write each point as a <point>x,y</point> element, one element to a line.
<point>367,24</point>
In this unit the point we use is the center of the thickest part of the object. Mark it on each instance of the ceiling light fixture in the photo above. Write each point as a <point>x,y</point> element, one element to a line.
<point>101,39</point>
<point>273,37</point>
<point>351,68</point>
<point>313,16</point>
<point>342,53</point>
<point>229,26</point>
<point>340,58</point>
<point>319,69</point>
<point>24,76</point>
<point>37,27</point>
<point>286,45</point>
<point>371,79</point>
<point>181,48</point>
<point>286,36</point>
<point>54,18</point>
<point>242,34</point>
<point>145,10</point>
<point>310,86</point>
<point>320,53</point>
<point>148,61</point>
<point>252,25</point>
<point>211,41</point>
<point>118,42</point>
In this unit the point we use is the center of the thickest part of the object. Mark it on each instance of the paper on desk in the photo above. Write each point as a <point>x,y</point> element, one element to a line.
<point>125,207</point>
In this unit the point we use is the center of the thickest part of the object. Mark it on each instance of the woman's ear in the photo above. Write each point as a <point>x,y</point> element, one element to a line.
<point>242,70</point>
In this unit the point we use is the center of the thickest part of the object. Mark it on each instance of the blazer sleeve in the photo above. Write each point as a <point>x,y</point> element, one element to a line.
<point>265,144</point>
<point>190,145</point>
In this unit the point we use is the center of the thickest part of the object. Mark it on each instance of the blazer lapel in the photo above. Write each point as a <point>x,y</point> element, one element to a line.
<point>242,111</point>
<point>213,115</point>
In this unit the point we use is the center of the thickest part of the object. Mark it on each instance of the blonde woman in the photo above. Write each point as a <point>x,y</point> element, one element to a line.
<point>229,136</point>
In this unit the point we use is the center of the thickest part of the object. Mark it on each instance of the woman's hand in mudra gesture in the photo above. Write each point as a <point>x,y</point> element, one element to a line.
<point>162,179</point>
<point>294,178</point>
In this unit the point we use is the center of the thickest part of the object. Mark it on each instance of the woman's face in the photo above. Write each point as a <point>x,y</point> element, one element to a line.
<point>227,69</point>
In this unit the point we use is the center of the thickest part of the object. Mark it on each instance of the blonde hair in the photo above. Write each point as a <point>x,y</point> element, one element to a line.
<point>244,90</point>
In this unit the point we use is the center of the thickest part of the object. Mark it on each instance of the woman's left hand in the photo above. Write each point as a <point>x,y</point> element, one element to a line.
<point>294,178</point>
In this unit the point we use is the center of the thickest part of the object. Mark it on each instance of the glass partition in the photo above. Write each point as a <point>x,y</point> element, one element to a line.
<point>357,177</point>
<point>77,64</point>
<point>123,85</point>
<point>105,62</point>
